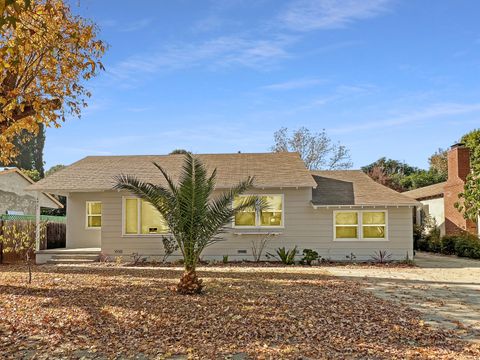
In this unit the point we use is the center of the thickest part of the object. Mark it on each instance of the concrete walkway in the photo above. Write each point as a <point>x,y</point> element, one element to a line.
<point>445,289</point>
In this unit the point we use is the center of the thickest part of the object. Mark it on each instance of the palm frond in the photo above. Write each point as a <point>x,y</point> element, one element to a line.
<point>195,217</point>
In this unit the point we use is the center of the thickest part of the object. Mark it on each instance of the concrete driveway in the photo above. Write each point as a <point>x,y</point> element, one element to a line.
<point>445,289</point>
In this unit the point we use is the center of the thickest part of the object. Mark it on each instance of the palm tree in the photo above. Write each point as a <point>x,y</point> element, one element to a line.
<point>194,215</point>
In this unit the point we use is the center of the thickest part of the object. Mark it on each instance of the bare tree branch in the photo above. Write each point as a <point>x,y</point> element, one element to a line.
<point>316,149</point>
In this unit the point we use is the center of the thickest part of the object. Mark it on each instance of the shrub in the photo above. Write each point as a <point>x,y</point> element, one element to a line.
<point>422,245</point>
<point>169,246</point>
<point>448,244</point>
<point>137,259</point>
<point>285,256</point>
<point>225,259</point>
<point>381,256</point>
<point>468,246</point>
<point>351,257</point>
<point>309,256</point>
<point>434,240</point>
<point>258,246</point>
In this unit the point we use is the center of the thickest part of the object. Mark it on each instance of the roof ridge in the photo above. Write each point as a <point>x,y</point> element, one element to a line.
<point>195,154</point>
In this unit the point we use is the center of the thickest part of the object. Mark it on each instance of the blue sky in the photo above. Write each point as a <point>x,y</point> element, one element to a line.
<point>384,77</point>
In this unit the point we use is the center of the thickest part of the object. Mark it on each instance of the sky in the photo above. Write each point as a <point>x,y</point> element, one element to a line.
<point>394,78</point>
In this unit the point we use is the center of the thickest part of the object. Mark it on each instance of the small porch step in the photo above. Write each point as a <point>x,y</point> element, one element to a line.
<point>70,261</point>
<point>68,256</point>
<point>93,257</point>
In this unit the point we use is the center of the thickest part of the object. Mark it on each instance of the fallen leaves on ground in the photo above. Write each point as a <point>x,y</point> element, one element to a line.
<point>267,313</point>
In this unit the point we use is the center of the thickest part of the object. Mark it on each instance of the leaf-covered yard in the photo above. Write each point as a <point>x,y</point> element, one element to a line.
<point>119,312</point>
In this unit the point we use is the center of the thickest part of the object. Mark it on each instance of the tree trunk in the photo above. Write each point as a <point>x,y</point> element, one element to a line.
<point>29,264</point>
<point>29,272</point>
<point>190,283</point>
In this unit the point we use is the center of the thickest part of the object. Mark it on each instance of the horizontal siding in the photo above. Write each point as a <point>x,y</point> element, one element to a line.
<point>305,227</point>
<point>77,234</point>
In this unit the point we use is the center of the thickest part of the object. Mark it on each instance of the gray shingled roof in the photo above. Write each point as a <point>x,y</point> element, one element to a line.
<point>431,191</point>
<point>354,187</point>
<point>96,173</point>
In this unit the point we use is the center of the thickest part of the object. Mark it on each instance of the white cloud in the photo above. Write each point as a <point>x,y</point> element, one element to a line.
<point>220,52</point>
<point>432,112</point>
<point>294,84</point>
<point>307,15</point>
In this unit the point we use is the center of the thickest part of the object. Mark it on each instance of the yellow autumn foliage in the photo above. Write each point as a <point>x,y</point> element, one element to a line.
<point>46,55</point>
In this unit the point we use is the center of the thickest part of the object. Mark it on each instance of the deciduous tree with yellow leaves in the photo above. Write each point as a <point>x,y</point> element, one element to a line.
<point>46,55</point>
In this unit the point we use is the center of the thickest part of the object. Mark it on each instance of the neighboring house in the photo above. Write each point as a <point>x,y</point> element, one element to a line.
<point>438,200</point>
<point>14,199</point>
<point>336,213</point>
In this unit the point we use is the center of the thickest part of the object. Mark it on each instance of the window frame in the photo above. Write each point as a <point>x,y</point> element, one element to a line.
<point>139,219</point>
<point>257,215</point>
<point>87,215</point>
<point>360,225</point>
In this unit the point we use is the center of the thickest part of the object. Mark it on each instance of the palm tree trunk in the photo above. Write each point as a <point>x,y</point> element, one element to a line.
<point>189,282</point>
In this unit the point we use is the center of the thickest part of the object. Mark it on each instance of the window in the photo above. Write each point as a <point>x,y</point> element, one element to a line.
<point>94,214</point>
<point>140,217</point>
<point>366,225</point>
<point>373,225</point>
<point>346,225</point>
<point>271,216</point>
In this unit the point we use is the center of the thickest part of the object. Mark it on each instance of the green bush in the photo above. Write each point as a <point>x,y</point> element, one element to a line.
<point>422,245</point>
<point>448,244</point>
<point>309,256</point>
<point>285,256</point>
<point>434,240</point>
<point>468,246</point>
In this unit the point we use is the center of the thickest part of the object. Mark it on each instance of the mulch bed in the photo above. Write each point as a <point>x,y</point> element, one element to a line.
<point>118,312</point>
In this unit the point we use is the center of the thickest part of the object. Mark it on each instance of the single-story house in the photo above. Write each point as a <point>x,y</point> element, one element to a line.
<point>438,200</point>
<point>337,213</point>
<point>14,199</point>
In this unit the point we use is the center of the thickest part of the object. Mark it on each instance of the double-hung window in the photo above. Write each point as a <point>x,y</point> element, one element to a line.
<point>360,225</point>
<point>374,225</point>
<point>271,216</point>
<point>346,225</point>
<point>141,218</point>
<point>94,214</point>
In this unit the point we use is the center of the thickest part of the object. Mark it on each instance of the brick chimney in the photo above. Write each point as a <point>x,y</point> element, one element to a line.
<point>458,169</point>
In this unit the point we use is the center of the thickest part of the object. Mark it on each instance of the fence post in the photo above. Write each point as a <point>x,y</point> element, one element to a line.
<point>1,241</point>
<point>37,221</point>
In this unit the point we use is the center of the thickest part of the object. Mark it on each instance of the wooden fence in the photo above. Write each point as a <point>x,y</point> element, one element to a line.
<point>53,236</point>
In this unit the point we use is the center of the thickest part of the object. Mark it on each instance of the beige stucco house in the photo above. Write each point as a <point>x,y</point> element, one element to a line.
<point>14,199</point>
<point>336,213</point>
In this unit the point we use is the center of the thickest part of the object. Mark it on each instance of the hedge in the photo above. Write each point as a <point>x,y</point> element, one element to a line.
<point>463,245</point>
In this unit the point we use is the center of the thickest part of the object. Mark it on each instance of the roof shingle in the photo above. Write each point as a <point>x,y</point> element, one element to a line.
<point>435,190</point>
<point>96,173</point>
<point>353,187</point>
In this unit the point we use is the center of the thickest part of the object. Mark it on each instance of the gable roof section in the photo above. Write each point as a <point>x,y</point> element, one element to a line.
<point>431,191</point>
<point>26,177</point>
<point>354,187</point>
<point>96,173</point>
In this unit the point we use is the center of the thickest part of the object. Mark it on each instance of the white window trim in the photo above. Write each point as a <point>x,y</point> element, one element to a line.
<point>139,218</point>
<point>86,215</point>
<point>360,226</point>
<point>257,215</point>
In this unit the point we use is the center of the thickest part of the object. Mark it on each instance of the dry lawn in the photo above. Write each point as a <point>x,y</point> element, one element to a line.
<point>258,313</point>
